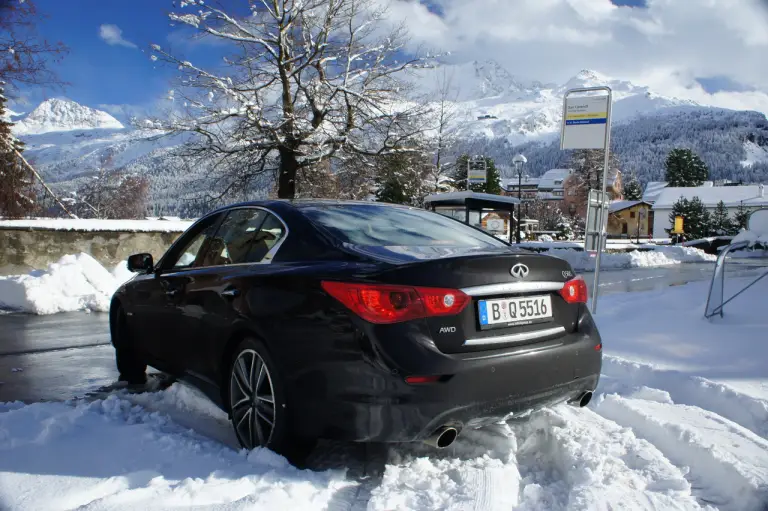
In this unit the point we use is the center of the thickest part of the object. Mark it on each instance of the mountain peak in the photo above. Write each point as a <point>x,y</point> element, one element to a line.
<point>61,114</point>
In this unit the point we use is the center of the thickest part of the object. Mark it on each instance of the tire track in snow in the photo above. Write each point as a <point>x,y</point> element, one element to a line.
<point>575,459</point>
<point>726,464</point>
<point>623,377</point>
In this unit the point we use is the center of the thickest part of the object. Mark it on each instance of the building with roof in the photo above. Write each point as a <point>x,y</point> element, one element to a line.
<point>630,219</point>
<point>750,196</point>
<point>576,198</point>
<point>552,184</point>
<point>529,187</point>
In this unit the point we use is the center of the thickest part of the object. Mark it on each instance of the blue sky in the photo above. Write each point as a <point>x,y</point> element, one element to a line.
<point>118,73</point>
<point>677,45</point>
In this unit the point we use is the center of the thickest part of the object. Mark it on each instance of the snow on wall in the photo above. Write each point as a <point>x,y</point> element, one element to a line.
<point>79,224</point>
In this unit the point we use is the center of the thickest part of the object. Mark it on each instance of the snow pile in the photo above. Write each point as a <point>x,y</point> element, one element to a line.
<point>111,454</point>
<point>74,283</point>
<point>659,256</point>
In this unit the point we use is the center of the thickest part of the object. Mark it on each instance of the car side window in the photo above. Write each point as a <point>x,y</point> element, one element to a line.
<point>245,236</point>
<point>191,254</point>
<point>270,233</point>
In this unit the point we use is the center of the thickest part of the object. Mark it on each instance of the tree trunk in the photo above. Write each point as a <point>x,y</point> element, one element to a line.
<point>286,182</point>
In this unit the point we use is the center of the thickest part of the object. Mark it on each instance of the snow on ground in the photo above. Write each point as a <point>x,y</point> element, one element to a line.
<point>679,421</point>
<point>81,224</point>
<point>73,283</point>
<point>658,256</point>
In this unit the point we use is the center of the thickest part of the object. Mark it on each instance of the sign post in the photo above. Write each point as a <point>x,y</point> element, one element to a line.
<point>587,125</point>
<point>477,171</point>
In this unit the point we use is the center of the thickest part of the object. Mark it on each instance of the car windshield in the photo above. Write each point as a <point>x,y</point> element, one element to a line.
<point>374,225</point>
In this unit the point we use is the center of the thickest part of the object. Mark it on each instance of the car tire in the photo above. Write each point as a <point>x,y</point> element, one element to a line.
<point>130,364</point>
<point>264,420</point>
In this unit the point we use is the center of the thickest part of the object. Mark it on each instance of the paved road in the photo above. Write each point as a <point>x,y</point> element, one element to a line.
<point>54,357</point>
<point>63,356</point>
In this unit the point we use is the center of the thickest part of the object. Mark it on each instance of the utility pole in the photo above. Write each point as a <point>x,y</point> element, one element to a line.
<point>519,161</point>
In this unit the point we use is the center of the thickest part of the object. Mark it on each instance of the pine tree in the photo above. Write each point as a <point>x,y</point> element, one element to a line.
<point>401,178</point>
<point>632,190</point>
<point>493,179</point>
<point>685,168</point>
<point>741,217</point>
<point>721,224</point>
<point>17,197</point>
<point>696,218</point>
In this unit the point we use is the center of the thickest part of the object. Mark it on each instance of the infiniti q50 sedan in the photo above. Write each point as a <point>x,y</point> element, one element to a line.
<point>356,321</point>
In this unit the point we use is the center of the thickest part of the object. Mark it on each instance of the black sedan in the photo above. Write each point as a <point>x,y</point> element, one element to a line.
<point>356,321</point>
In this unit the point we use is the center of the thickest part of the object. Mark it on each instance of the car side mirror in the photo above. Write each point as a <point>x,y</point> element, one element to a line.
<point>141,263</point>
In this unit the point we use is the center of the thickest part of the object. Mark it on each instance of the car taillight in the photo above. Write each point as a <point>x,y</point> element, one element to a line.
<point>575,291</point>
<point>380,303</point>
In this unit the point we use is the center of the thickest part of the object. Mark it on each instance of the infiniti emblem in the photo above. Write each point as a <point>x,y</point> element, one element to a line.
<point>519,271</point>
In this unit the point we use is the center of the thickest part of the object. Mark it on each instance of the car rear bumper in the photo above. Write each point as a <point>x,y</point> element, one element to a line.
<point>368,399</point>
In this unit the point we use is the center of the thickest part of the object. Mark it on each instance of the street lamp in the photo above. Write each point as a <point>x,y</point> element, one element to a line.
<point>519,161</point>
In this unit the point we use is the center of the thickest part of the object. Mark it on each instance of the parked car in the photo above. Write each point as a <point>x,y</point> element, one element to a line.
<point>357,321</point>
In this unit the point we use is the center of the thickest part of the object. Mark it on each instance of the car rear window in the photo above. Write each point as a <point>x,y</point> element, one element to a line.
<point>375,225</point>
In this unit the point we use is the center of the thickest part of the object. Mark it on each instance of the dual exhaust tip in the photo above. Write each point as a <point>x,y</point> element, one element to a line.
<point>444,436</point>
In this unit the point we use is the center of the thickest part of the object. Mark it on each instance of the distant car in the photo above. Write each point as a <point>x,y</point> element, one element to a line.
<point>357,321</point>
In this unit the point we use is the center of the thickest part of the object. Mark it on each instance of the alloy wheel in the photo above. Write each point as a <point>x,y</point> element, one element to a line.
<point>252,400</point>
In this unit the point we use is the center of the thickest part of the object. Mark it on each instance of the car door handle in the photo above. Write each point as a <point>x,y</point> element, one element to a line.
<point>172,292</point>
<point>231,292</point>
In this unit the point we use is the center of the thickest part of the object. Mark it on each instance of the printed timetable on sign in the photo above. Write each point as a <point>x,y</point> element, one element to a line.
<point>586,121</point>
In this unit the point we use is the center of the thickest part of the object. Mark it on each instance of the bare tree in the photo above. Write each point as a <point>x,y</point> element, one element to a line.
<point>307,80</point>
<point>24,56</point>
<point>446,113</point>
<point>109,194</point>
<point>24,60</point>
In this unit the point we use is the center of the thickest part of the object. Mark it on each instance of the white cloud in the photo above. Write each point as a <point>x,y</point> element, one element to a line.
<point>551,40</point>
<point>113,35</point>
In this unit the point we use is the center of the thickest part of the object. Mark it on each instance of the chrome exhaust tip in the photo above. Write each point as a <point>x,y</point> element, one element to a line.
<point>442,437</point>
<point>582,400</point>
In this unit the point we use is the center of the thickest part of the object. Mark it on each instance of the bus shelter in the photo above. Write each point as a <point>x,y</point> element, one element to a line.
<point>477,209</point>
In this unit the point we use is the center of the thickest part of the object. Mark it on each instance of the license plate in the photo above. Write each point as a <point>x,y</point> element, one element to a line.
<point>514,311</point>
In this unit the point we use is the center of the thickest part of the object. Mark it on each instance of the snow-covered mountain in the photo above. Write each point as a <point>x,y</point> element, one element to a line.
<point>498,115</point>
<point>64,115</point>
<point>501,106</point>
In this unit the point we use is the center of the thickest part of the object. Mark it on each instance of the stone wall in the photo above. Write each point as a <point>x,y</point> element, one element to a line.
<point>25,249</point>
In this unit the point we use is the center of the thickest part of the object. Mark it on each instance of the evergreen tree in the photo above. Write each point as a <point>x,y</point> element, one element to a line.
<point>402,178</point>
<point>741,217</point>
<point>696,218</point>
<point>17,197</point>
<point>685,168</point>
<point>721,224</point>
<point>632,190</point>
<point>493,179</point>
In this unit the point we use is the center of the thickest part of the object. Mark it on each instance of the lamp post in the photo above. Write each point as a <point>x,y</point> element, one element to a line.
<point>519,161</point>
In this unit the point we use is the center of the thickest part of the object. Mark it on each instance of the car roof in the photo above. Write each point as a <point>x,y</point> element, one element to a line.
<point>305,203</point>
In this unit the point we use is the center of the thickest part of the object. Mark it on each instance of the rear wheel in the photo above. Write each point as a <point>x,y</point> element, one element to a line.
<point>130,364</point>
<point>257,403</point>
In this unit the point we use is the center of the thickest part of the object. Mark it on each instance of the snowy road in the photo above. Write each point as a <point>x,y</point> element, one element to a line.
<point>680,421</point>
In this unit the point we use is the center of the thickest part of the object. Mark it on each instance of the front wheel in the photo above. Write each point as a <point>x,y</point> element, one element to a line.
<point>257,403</point>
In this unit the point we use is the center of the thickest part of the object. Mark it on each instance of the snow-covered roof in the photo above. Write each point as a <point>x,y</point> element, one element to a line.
<point>621,205</point>
<point>526,181</point>
<point>653,189</point>
<point>732,196</point>
<point>550,176</point>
